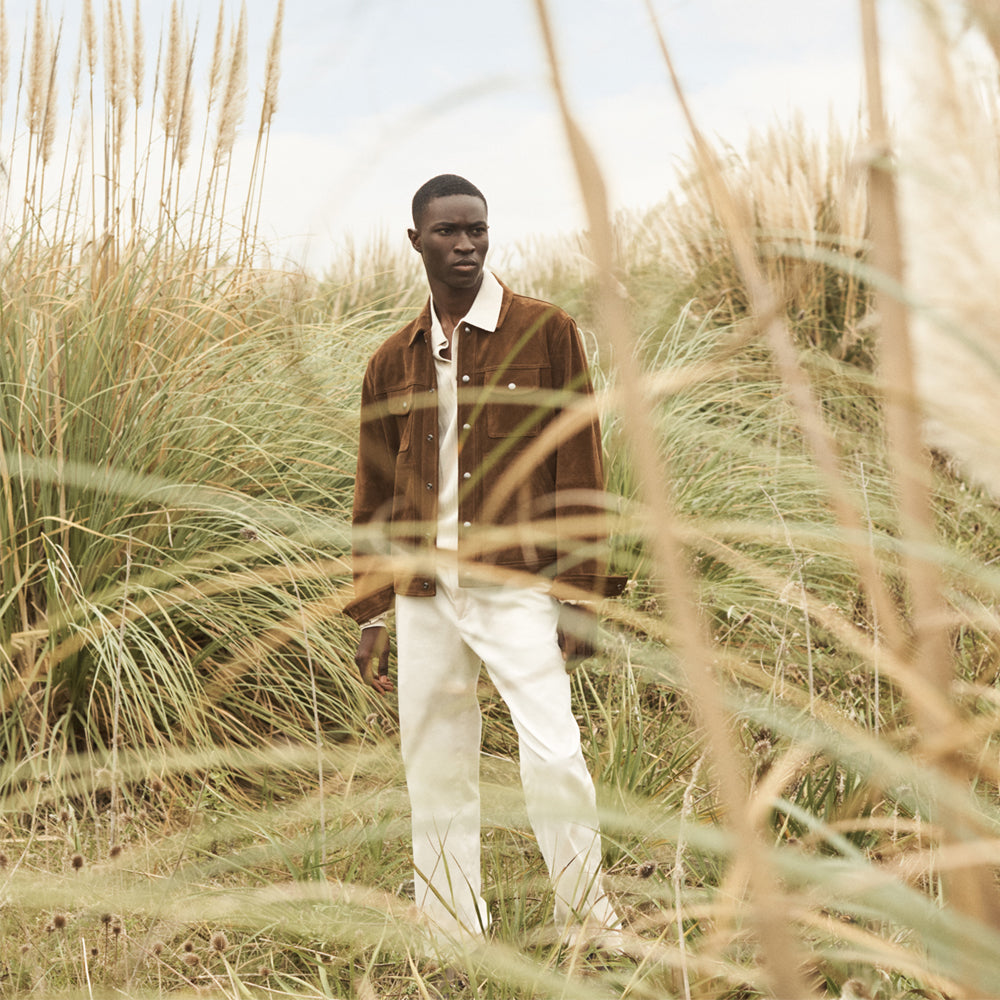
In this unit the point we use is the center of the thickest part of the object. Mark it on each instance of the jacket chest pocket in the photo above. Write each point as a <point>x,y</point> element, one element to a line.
<point>517,404</point>
<point>400,406</point>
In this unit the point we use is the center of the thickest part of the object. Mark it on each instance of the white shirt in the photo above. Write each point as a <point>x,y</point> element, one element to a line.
<point>484,315</point>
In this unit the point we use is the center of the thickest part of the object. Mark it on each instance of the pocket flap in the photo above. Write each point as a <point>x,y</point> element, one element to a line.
<point>400,403</point>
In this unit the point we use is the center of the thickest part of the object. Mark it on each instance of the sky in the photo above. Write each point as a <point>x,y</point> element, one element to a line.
<point>376,96</point>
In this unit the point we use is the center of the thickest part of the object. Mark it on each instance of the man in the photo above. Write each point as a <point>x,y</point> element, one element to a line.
<point>477,503</point>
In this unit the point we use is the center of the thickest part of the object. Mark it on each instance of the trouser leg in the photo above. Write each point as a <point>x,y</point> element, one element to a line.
<point>440,734</point>
<point>517,641</point>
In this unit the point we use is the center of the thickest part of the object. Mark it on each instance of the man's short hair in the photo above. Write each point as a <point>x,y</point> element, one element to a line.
<point>442,186</point>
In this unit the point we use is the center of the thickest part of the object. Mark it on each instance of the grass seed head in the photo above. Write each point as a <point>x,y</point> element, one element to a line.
<point>217,65</point>
<point>4,49</point>
<point>219,941</point>
<point>234,99</point>
<point>138,56</point>
<point>77,861</point>
<point>273,70</point>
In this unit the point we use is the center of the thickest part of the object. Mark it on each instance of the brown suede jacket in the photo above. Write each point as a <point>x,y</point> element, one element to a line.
<point>531,481</point>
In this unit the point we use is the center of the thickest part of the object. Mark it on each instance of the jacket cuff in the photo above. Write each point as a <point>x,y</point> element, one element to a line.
<point>372,605</point>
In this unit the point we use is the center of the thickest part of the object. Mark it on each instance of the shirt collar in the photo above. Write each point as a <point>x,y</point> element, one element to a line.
<point>484,314</point>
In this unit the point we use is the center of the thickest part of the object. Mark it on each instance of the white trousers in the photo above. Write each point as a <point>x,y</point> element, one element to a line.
<point>442,641</point>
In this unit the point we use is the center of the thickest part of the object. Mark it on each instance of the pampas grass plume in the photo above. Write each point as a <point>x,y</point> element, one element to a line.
<point>138,55</point>
<point>231,109</point>
<point>273,70</point>
<point>217,65</point>
<point>38,74</point>
<point>173,75</point>
<point>4,52</point>
<point>186,112</point>
<point>114,56</point>
<point>950,201</point>
<point>48,123</point>
<point>88,35</point>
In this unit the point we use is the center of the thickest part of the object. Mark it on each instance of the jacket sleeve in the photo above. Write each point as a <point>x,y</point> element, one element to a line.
<point>580,499</point>
<point>373,498</point>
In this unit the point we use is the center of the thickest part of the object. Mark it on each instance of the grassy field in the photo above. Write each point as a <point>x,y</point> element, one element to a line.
<point>792,717</point>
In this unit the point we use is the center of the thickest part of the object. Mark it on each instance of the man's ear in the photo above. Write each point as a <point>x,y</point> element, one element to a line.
<point>414,239</point>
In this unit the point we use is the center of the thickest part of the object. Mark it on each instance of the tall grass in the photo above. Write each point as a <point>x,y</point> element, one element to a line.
<point>197,794</point>
<point>173,469</point>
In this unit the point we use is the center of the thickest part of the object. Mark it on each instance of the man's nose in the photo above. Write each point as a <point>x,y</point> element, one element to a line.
<point>464,243</point>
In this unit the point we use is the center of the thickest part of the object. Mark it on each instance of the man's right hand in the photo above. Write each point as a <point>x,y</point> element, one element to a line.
<point>374,645</point>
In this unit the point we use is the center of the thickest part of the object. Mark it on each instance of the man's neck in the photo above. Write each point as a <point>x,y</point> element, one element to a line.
<point>452,304</point>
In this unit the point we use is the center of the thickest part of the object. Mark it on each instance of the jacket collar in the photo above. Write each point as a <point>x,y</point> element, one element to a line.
<point>487,312</point>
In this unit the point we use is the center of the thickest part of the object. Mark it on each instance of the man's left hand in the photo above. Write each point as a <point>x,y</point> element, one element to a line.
<point>577,632</point>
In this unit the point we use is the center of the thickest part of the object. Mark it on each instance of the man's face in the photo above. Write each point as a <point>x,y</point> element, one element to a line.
<point>452,237</point>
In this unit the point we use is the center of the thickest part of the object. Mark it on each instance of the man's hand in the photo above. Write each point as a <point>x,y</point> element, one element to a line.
<point>577,632</point>
<point>374,645</point>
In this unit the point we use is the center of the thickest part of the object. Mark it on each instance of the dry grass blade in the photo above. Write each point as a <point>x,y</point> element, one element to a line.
<point>767,310</point>
<point>781,957</point>
<point>931,655</point>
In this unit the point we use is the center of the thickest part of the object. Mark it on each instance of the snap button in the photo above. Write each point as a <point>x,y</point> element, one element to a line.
<point>467,475</point>
<point>511,385</point>
<point>430,486</point>
<point>466,524</point>
<point>466,427</point>
<point>425,585</point>
<point>430,437</point>
<point>465,378</point>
